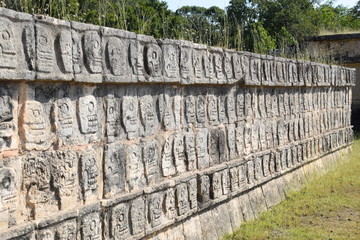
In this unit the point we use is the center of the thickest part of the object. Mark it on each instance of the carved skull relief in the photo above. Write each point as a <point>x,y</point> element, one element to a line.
<point>117,54</point>
<point>66,51</point>
<point>93,52</point>
<point>154,60</point>
<point>45,51</point>
<point>8,52</point>
<point>88,114</point>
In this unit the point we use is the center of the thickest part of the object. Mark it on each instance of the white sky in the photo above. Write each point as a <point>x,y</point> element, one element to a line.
<point>175,4</point>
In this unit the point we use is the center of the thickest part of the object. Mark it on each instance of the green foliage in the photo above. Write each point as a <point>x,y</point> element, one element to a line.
<point>252,25</point>
<point>327,207</point>
<point>263,42</point>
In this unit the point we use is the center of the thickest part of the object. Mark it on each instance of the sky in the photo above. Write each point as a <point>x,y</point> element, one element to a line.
<point>175,4</point>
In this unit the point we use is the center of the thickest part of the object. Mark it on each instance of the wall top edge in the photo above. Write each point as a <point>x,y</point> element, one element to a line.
<point>37,47</point>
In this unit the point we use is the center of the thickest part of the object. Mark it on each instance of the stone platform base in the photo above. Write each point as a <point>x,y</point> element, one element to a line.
<point>227,216</point>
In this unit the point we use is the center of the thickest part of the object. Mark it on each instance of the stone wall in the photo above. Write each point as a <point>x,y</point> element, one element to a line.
<point>106,134</point>
<point>343,48</point>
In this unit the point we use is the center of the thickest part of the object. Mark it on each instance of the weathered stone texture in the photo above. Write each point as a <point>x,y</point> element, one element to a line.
<point>84,160</point>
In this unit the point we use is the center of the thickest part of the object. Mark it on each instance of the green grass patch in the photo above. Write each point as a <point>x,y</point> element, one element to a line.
<point>328,207</point>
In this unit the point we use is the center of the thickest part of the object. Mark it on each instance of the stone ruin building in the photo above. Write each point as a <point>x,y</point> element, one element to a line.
<point>108,134</point>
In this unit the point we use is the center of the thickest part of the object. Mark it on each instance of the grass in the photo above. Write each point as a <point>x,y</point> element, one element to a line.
<point>328,208</point>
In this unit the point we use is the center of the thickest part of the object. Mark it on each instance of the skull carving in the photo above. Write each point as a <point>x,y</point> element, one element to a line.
<point>88,112</point>
<point>120,221</point>
<point>93,52</point>
<point>117,56</point>
<point>66,51</point>
<point>45,51</point>
<point>7,50</point>
<point>154,60</point>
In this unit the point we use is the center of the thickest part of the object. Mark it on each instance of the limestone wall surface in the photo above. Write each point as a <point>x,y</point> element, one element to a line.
<point>108,134</point>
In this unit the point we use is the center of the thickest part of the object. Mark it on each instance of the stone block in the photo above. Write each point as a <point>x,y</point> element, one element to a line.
<point>236,215</point>
<point>114,170</point>
<point>87,52</point>
<point>41,199</point>
<point>171,55</point>
<point>119,58</point>
<point>229,58</point>
<point>90,222</point>
<point>217,59</point>
<point>186,62</point>
<point>255,70</point>
<point>203,72</point>
<point>64,171</point>
<point>54,56</point>
<point>23,231</point>
<point>8,116</point>
<point>90,173</point>
<point>18,46</point>
<point>34,126</point>
<point>208,226</point>
<point>10,176</point>
<point>246,67</point>
<point>246,208</point>
<point>192,228</point>
<point>257,201</point>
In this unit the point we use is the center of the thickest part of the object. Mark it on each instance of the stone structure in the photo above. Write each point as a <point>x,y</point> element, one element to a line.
<point>179,134</point>
<point>345,49</point>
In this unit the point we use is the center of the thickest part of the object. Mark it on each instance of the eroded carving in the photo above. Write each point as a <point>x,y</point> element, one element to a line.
<point>117,54</point>
<point>190,150</point>
<point>171,61</point>
<point>112,119</point>
<point>225,182</point>
<point>65,42</point>
<point>76,51</point>
<point>135,168</point>
<point>192,187</point>
<point>114,169</point>
<point>170,207</point>
<point>151,158</point>
<point>179,152</point>
<point>201,148</point>
<point>148,114</point>
<point>155,209</point>
<point>93,52</point>
<point>216,187</point>
<point>130,116</point>
<point>153,60</point>
<point>35,129</point>
<point>67,231</point>
<point>137,216</point>
<point>8,53</point>
<point>6,121</point>
<point>182,197</point>
<point>190,113</point>
<point>234,179</point>
<point>185,64</point>
<point>36,184</point>
<point>119,223</point>
<point>89,171</point>
<point>201,109</point>
<point>8,188</point>
<point>167,161</point>
<point>212,108</point>
<point>88,114</point>
<point>63,113</point>
<point>91,227</point>
<point>231,141</point>
<point>64,173</point>
<point>45,51</point>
